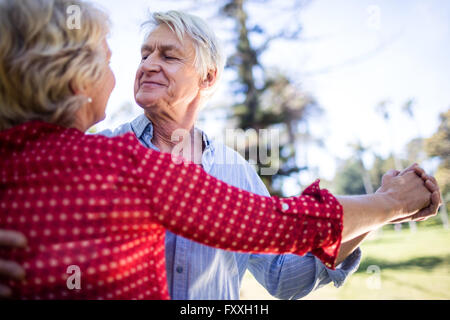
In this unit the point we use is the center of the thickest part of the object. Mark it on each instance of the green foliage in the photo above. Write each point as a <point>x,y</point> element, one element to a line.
<point>439,146</point>
<point>348,180</point>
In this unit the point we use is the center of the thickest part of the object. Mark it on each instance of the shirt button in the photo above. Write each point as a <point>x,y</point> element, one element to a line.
<point>179,269</point>
<point>285,206</point>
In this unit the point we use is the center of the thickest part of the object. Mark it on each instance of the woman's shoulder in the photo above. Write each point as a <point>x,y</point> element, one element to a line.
<point>117,140</point>
<point>126,144</point>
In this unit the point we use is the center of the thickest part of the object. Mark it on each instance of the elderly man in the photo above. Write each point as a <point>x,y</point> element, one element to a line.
<point>180,68</point>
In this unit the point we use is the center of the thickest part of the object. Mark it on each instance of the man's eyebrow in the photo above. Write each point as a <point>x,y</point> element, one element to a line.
<point>162,48</point>
<point>146,48</point>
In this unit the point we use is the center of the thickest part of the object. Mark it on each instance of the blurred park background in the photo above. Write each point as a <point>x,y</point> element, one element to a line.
<point>354,87</point>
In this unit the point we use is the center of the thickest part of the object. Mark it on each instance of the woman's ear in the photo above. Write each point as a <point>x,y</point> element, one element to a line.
<point>76,89</point>
<point>78,92</point>
<point>73,88</point>
<point>210,80</point>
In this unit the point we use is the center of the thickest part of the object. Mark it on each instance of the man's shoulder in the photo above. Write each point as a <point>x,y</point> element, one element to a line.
<point>120,130</point>
<point>228,156</point>
<point>136,126</point>
<point>234,169</point>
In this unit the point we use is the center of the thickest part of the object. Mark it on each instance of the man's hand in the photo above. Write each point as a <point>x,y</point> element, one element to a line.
<point>10,270</point>
<point>436,201</point>
<point>406,193</point>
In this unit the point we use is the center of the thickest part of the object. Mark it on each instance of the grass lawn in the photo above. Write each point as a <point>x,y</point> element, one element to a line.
<point>410,265</point>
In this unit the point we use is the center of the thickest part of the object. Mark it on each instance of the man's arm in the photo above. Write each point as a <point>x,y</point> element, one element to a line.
<point>291,277</point>
<point>399,196</point>
<point>348,247</point>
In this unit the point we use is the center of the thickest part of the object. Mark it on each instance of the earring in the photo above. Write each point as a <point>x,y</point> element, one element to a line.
<point>89,100</point>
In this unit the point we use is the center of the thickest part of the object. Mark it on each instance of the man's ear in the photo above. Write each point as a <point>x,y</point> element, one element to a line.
<point>210,79</point>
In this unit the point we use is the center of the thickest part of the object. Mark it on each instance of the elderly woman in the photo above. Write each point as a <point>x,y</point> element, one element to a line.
<point>102,204</point>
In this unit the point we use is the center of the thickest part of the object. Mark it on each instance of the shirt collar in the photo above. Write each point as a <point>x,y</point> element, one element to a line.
<point>142,125</point>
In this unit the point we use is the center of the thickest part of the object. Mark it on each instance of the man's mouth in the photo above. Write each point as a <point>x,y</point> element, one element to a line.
<point>152,84</point>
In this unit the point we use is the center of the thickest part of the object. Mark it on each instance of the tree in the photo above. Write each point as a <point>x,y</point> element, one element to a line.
<point>349,178</point>
<point>438,146</point>
<point>270,100</point>
<point>384,110</point>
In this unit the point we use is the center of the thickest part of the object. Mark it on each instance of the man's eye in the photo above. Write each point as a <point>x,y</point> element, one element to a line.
<point>170,58</point>
<point>144,58</point>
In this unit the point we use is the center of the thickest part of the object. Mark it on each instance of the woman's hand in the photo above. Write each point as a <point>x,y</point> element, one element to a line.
<point>10,270</point>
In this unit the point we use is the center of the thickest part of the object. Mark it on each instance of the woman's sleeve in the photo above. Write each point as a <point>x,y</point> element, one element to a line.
<point>187,201</point>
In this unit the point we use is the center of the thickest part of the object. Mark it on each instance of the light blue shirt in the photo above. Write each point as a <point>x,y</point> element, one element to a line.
<point>199,272</point>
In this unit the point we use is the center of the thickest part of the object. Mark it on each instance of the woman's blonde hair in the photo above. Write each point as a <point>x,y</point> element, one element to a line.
<point>44,56</point>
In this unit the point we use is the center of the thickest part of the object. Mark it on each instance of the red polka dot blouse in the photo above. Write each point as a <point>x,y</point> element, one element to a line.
<point>95,210</point>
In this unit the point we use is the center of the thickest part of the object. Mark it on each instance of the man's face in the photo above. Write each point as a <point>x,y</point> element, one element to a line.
<point>166,79</point>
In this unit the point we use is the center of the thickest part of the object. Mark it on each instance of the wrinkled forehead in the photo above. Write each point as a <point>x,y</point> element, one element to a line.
<point>164,37</point>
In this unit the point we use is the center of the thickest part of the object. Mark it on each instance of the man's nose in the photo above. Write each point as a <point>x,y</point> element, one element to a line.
<point>151,64</point>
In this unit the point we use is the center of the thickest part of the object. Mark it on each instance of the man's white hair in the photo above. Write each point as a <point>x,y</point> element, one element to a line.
<point>208,51</point>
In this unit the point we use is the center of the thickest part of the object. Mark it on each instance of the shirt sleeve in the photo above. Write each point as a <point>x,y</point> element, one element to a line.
<point>340,274</point>
<point>187,201</point>
<point>289,276</point>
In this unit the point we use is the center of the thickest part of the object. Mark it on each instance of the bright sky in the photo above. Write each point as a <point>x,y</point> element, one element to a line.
<point>377,50</point>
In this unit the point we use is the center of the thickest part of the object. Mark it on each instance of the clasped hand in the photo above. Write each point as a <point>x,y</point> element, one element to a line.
<point>415,194</point>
